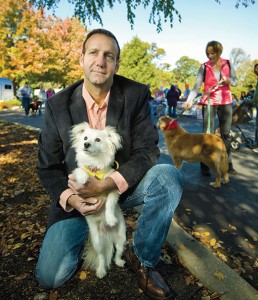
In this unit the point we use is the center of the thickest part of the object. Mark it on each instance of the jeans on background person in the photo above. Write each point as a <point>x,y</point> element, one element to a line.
<point>40,103</point>
<point>26,104</point>
<point>63,244</point>
<point>172,111</point>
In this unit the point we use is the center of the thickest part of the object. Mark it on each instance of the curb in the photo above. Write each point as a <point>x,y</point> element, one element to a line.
<point>203,264</point>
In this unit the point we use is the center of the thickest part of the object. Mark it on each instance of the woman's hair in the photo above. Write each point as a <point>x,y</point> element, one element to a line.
<point>104,32</point>
<point>216,46</point>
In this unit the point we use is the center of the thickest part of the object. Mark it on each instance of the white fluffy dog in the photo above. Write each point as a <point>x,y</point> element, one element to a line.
<point>95,154</point>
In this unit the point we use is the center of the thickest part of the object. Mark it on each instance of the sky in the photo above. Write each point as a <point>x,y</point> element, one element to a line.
<point>202,21</point>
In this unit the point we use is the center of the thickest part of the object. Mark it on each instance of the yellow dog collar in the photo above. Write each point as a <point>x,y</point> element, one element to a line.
<point>99,174</point>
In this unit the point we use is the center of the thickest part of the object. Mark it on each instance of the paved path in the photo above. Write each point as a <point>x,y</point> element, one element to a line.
<point>229,214</point>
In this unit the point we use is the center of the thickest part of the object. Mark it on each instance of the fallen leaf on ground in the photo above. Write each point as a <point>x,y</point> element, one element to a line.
<point>83,275</point>
<point>232,227</point>
<point>219,276</point>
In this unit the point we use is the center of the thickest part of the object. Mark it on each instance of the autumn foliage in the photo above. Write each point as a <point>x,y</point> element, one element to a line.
<point>37,46</point>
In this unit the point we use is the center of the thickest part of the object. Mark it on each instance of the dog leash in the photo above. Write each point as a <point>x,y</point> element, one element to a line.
<point>208,107</point>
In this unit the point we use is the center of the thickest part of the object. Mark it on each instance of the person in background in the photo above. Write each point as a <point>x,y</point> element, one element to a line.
<point>249,97</point>
<point>172,99</point>
<point>186,93</point>
<point>103,99</point>
<point>50,92</point>
<point>235,101</point>
<point>42,97</point>
<point>242,96</point>
<point>220,73</point>
<point>255,102</point>
<point>250,93</point>
<point>24,93</point>
<point>178,90</point>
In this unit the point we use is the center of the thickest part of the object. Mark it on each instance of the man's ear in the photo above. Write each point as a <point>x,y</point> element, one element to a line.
<point>117,67</point>
<point>81,60</point>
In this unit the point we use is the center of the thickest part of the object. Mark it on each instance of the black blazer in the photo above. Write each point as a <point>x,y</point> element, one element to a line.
<point>128,111</point>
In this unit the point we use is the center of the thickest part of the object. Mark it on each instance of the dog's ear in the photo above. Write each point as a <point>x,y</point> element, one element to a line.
<point>76,131</point>
<point>79,128</point>
<point>115,138</point>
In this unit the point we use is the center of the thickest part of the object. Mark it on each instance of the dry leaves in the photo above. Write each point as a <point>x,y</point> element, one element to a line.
<point>236,261</point>
<point>219,276</point>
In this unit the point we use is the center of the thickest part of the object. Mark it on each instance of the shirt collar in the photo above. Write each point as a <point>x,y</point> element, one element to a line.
<point>90,101</point>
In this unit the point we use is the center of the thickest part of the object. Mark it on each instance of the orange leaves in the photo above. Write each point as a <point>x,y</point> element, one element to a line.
<point>83,275</point>
<point>20,231</point>
<point>205,238</point>
<point>219,275</point>
<point>38,45</point>
<point>232,227</point>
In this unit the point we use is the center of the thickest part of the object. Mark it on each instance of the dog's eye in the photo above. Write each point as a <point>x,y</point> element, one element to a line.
<point>85,138</point>
<point>97,139</point>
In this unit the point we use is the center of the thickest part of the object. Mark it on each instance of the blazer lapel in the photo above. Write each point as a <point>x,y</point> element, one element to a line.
<point>115,106</point>
<point>78,107</point>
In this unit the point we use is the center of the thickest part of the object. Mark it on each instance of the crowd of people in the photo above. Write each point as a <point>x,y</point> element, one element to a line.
<point>33,103</point>
<point>216,75</point>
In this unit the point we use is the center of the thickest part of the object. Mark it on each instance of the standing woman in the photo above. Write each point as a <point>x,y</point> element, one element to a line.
<point>217,72</point>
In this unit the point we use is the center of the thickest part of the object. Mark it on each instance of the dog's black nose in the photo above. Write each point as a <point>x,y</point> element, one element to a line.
<point>86,145</point>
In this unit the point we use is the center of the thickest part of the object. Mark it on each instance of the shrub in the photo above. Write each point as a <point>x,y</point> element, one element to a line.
<point>9,103</point>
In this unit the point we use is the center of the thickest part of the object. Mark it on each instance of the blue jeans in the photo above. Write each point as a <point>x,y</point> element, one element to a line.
<point>159,191</point>
<point>26,104</point>
<point>40,103</point>
<point>170,113</point>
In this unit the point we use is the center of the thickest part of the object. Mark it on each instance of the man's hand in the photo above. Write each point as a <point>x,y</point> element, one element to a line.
<point>89,189</point>
<point>92,187</point>
<point>87,206</point>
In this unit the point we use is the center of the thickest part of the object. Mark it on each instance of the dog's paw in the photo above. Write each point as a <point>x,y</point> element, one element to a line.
<point>111,220</point>
<point>101,273</point>
<point>225,181</point>
<point>119,262</point>
<point>81,176</point>
<point>214,185</point>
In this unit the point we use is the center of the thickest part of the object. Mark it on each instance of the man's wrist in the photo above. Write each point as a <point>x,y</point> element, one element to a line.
<point>107,184</point>
<point>70,200</point>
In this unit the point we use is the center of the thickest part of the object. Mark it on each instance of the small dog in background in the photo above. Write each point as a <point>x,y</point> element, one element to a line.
<point>195,147</point>
<point>95,156</point>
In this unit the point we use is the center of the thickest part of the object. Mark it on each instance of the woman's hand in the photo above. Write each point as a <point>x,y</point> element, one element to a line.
<point>226,80</point>
<point>188,105</point>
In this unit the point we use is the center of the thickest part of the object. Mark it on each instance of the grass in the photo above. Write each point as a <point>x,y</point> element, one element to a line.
<point>9,103</point>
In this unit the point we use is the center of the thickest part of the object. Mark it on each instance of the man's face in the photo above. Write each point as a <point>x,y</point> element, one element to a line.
<point>99,62</point>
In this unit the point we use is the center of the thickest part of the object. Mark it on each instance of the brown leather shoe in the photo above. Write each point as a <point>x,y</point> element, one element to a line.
<point>150,281</point>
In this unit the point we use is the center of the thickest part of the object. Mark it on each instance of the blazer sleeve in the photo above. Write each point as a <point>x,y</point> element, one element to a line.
<point>51,166</point>
<point>140,151</point>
